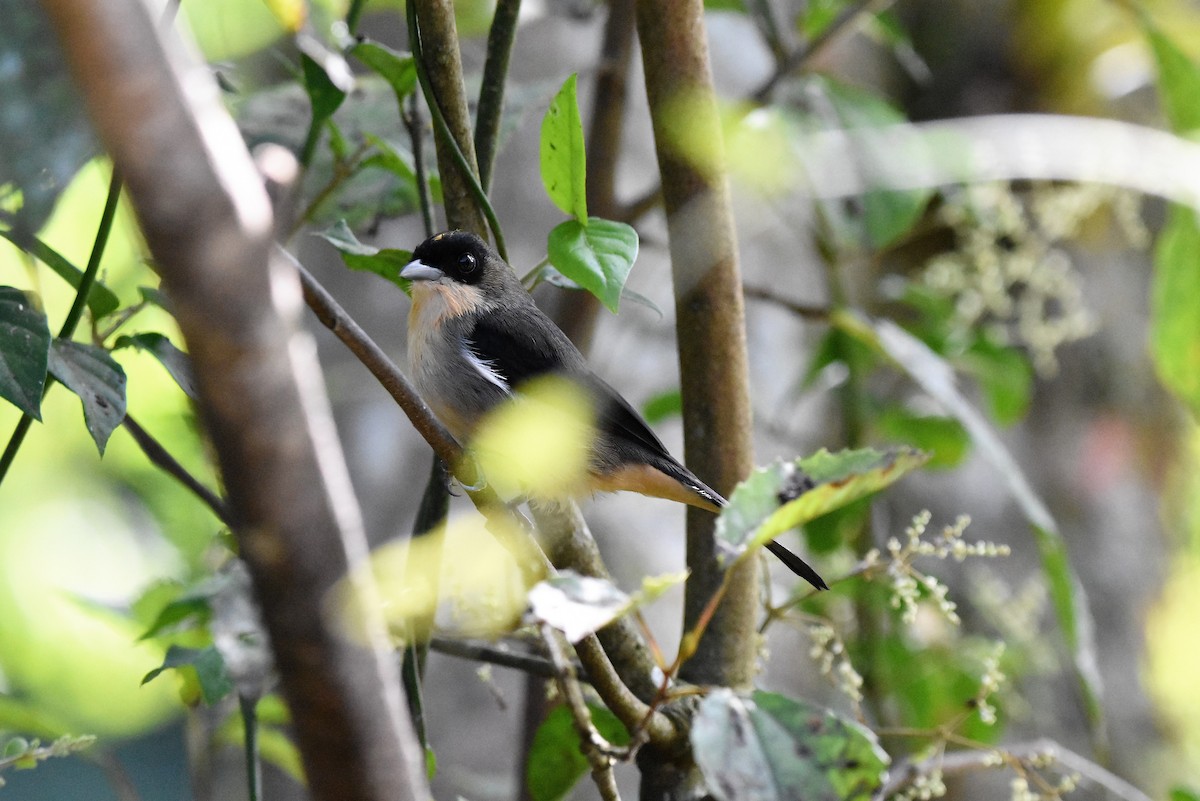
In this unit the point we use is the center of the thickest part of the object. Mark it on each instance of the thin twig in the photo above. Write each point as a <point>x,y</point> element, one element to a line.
<point>491,92</point>
<point>809,311</point>
<point>958,762</point>
<point>160,457</point>
<point>416,128</point>
<point>599,751</point>
<point>801,57</point>
<point>447,136</point>
<point>497,654</point>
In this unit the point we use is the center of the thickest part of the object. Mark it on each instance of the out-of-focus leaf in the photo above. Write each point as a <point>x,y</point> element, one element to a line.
<point>597,256</point>
<point>101,301</point>
<point>771,748</point>
<point>1184,794</point>
<point>389,157</point>
<point>663,405</point>
<point>155,297</point>
<point>818,15</point>
<point>386,262</point>
<point>92,374</point>
<point>563,161</point>
<point>172,358</point>
<point>1004,376</point>
<point>581,605</point>
<point>24,351</point>
<point>205,664</point>
<point>44,131</point>
<point>832,530</point>
<point>1175,307</point>
<point>556,760</point>
<point>398,69</point>
<point>785,495</point>
<point>1178,79</point>
<point>326,89</point>
<point>943,437</point>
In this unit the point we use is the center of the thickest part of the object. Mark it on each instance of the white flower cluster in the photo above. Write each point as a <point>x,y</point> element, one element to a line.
<point>924,787</point>
<point>1009,274</point>
<point>829,653</point>
<point>1021,790</point>
<point>907,582</point>
<point>989,685</point>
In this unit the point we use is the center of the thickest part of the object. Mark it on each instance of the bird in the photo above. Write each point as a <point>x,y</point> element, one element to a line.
<point>475,337</point>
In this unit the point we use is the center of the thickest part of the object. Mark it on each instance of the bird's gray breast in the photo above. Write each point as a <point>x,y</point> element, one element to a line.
<point>457,383</point>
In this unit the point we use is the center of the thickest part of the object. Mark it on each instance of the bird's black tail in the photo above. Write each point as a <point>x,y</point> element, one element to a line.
<point>790,560</point>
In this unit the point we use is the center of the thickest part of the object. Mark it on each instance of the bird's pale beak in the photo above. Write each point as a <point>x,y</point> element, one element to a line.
<point>417,270</point>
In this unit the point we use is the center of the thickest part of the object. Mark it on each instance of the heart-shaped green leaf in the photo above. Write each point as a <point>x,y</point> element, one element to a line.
<point>597,256</point>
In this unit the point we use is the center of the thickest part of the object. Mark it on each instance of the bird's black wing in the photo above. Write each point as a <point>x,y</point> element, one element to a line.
<point>519,346</point>
<point>521,343</point>
<point>615,416</point>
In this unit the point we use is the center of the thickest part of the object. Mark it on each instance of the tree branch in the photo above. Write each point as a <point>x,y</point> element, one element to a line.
<point>710,324</point>
<point>161,458</point>
<point>491,92</point>
<point>208,223</point>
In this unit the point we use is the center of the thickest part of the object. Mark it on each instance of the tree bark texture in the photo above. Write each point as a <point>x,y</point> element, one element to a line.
<point>209,225</point>
<point>710,322</point>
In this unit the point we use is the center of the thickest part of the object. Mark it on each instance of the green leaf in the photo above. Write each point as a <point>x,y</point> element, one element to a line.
<point>663,405</point>
<point>785,495</point>
<point>398,69</point>
<point>1183,794</point>
<point>24,351</point>
<point>771,748</point>
<point>563,160</point>
<point>943,437</point>
<point>1004,376</point>
<point>323,93</point>
<point>189,607</point>
<point>92,374</point>
<point>1178,80</point>
<point>386,263</point>
<point>100,301</point>
<point>172,358</point>
<point>1175,307</point>
<point>205,664</point>
<point>830,531</point>
<point>597,256</point>
<point>556,760</point>
<point>391,158</point>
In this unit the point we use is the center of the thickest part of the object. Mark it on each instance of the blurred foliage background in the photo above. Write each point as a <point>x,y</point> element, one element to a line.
<point>92,548</point>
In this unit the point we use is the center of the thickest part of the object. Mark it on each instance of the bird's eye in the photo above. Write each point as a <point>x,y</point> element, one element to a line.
<point>467,263</point>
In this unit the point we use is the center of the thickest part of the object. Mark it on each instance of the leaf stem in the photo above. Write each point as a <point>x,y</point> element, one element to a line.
<point>491,93</point>
<point>447,136</point>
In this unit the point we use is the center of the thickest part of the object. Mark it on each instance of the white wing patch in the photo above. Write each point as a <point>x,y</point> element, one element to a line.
<point>485,367</point>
